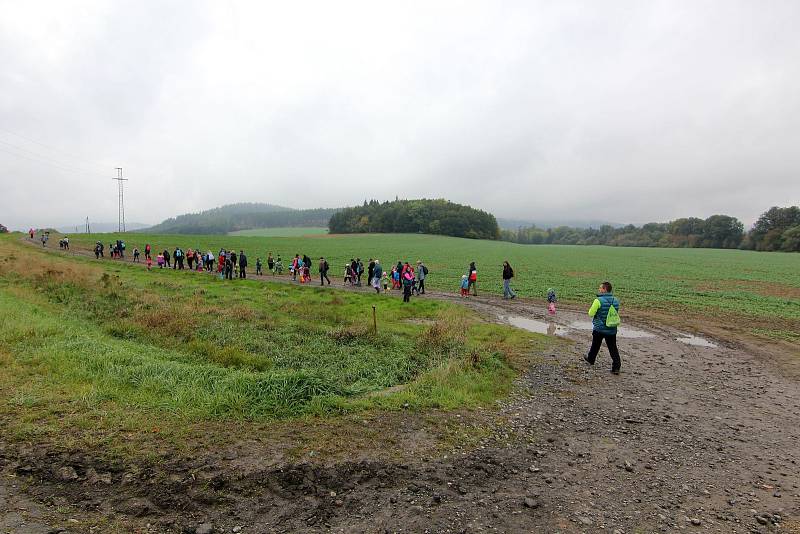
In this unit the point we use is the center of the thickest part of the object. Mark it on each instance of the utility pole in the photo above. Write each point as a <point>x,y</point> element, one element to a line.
<point>87,226</point>
<point>121,212</point>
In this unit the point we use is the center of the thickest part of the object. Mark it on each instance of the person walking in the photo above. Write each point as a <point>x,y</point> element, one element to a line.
<point>147,251</point>
<point>242,264</point>
<point>135,254</point>
<point>177,259</point>
<point>370,271</point>
<point>422,273</point>
<point>323,271</point>
<point>359,271</point>
<point>472,278</point>
<point>295,265</point>
<point>270,263</point>
<point>604,326</point>
<point>166,258</point>
<point>408,282</point>
<point>377,274</point>
<point>228,266</point>
<point>508,274</point>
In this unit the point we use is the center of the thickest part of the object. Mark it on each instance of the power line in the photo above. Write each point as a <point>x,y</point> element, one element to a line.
<point>70,155</point>
<point>38,158</point>
<point>121,212</point>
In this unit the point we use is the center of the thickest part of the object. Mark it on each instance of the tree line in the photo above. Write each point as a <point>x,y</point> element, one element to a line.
<point>426,216</point>
<point>778,229</point>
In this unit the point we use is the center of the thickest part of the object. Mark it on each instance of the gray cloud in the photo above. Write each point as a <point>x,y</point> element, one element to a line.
<point>628,111</point>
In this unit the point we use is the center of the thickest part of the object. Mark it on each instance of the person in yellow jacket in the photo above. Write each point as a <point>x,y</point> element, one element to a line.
<point>602,328</point>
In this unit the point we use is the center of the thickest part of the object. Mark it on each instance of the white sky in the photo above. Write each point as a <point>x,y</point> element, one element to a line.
<point>620,111</point>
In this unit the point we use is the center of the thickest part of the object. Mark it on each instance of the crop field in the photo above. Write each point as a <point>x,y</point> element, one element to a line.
<point>760,291</point>
<point>282,232</point>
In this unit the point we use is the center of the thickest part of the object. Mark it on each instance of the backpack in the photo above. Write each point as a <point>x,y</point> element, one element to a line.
<point>612,319</point>
<point>326,266</point>
<point>424,270</point>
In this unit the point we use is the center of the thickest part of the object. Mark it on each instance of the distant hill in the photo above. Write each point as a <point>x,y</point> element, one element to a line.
<point>243,216</point>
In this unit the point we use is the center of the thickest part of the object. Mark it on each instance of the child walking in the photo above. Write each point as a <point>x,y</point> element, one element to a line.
<point>551,301</point>
<point>464,286</point>
<point>258,267</point>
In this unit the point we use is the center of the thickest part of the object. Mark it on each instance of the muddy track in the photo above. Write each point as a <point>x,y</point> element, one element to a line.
<point>687,438</point>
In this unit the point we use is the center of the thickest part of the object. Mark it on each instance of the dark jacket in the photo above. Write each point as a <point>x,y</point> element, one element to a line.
<point>508,272</point>
<point>599,313</point>
<point>242,260</point>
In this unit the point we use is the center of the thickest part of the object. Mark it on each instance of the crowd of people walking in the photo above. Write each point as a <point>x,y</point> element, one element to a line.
<point>227,264</point>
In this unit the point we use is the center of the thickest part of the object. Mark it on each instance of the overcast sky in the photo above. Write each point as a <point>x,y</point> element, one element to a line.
<point>620,111</point>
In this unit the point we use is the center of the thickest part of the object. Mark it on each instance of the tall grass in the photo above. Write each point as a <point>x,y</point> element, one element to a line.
<point>194,346</point>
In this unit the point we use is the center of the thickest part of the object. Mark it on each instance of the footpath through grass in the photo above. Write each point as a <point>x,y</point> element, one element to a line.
<point>118,345</point>
<point>756,292</point>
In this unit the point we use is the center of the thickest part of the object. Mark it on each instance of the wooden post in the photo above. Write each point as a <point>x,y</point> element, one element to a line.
<point>374,320</point>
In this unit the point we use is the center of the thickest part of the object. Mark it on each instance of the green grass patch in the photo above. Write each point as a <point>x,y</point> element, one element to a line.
<point>744,285</point>
<point>113,337</point>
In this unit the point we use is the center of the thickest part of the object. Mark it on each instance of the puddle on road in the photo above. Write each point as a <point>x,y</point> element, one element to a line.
<point>552,329</point>
<point>696,341</point>
<point>539,327</point>
<point>622,331</point>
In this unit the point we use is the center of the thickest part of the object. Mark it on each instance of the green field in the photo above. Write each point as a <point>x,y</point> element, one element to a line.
<point>281,232</point>
<point>759,289</point>
<point>99,338</point>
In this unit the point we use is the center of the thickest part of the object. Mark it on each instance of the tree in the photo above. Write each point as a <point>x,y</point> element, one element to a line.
<point>722,231</point>
<point>767,232</point>
<point>3,229</point>
<point>791,239</point>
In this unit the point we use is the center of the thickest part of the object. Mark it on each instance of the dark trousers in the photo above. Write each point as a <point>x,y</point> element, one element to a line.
<point>474,286</point>
<point>611,343</point>
<point>323,275</point>
<point>242,273</point>
<point>421,287</point>
<point>229,272</point>
<point>406,292</point>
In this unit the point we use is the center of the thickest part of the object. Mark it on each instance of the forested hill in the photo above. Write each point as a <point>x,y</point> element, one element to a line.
<point>242,216</point>
<point>416,216</point>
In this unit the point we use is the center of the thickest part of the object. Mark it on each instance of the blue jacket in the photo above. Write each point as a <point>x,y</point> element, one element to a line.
<point>599,312</point>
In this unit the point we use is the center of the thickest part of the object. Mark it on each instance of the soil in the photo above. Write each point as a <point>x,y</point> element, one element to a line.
<point>687,438</point>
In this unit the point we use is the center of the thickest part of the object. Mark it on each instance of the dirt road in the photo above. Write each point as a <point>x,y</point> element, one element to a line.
<point>697,438</point>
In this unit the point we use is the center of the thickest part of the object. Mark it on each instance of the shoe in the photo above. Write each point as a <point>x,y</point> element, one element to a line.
<point>615,371</point>
<point>587,360</point>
